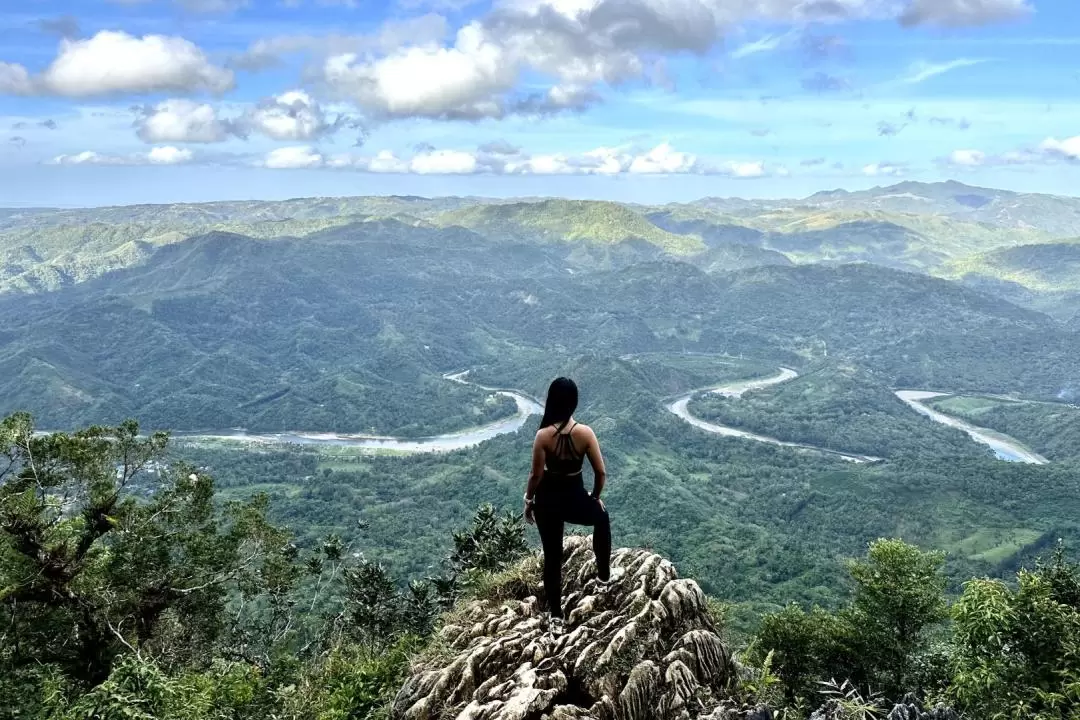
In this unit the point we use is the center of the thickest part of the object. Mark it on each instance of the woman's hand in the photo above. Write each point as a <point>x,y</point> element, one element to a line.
<point>528,512</point>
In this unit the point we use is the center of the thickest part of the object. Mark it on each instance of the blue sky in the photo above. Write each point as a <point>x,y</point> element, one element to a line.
<point>128,101</point>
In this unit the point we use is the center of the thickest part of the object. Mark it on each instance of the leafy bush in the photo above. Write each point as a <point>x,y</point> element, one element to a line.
<point>1018,649</point>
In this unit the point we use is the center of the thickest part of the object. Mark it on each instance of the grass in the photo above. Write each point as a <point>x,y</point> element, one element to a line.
<point>967,405</point>
<point>995,545</point>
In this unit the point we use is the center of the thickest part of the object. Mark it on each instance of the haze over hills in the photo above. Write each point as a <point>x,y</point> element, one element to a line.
<point>344,315</point>
<point>270,335</point>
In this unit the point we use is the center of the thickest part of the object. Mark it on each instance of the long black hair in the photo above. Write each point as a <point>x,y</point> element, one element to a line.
<point>561,402</point>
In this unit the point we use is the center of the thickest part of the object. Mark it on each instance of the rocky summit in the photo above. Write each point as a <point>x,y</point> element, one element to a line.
<point>642,648</point>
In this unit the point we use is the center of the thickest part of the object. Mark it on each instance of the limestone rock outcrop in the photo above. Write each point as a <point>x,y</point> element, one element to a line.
<point>642,648</point>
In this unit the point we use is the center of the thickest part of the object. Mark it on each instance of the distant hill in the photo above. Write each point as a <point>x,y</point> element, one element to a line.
<point>568,220</point>
<point>1044,277</point>
<point>351,327</point>
<point>1056,215</point>
<point>1053,214</point>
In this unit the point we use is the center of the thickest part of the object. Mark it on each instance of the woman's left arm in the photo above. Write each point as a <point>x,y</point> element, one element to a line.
<point>535,475</point>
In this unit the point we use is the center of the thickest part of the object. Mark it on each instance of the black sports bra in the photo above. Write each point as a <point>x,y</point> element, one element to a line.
<point>565,459</point>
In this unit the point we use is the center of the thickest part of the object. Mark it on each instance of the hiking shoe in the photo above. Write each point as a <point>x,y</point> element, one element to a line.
<point>556,626</point>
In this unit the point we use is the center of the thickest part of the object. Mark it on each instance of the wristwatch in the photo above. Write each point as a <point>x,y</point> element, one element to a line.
<point>529,500</point>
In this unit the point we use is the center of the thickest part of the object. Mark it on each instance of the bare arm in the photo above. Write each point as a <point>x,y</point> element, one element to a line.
<point>597,462</point>
<point>537,472</point>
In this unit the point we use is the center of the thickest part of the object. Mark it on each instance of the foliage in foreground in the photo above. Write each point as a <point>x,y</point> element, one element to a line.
<point>126,591</point>
<point>1000,652</point>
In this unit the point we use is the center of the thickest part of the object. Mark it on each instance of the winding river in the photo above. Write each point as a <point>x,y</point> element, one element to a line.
<point>449,442</point>
<point>1005,447</point>
<point>680,408</point>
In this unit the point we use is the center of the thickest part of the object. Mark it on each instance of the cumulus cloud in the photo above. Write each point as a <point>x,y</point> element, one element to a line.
<point>957,13</point>
<point>887,169</point>
<point>15,80</point>
<point>293,115</point>
<point>113,62</point>
<point>182,121</point>
<point>660,160</point>
<point>567,52</point>
<point>744,169</point>
<point>967,158</point>
<point>1068,148</point>
<point>663,159</point>
<point>293,158</point>
<point>165,155</point>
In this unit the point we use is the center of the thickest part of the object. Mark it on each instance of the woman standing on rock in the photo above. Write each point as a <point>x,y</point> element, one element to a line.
<point>556,492</point>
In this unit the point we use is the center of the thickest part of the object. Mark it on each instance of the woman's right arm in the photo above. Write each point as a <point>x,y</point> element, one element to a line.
<point>596,459</point>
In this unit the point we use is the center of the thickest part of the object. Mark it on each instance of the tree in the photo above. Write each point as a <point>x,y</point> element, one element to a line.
<point>899,593</point>
<point>875,639</point>
<point>105,549</point>
<point>1018,649</point>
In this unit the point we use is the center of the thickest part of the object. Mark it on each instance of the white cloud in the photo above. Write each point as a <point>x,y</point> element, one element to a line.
<point>291,158</point>
<point>291,116</point>
<point>663,159</point>
<point>743,169</point>
<point>14,79</point>
<point>111,63</point>
<point>967,158</point>
<point>957,13</point>
<point>1068,148</point>
<point>165,155</point>
<point>182,121</point>
<point>570,50</point>
<point>921,71</point>
<point>168,155</point>
<point>876,169</point>
<point>444,162</point>
<point>465,80</point>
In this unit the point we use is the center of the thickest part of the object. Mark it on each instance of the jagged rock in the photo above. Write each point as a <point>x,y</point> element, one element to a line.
<point>644,648</point>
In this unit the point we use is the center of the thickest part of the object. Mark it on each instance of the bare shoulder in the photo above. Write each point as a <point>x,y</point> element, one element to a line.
<point>584,432</point>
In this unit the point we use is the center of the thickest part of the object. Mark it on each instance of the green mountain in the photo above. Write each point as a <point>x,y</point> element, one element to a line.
<point>1045,277</point>
<point>1055,215</point>
<point>567,220</point>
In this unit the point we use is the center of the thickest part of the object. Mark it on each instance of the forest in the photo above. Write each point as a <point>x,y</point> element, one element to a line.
<point>131,591</point>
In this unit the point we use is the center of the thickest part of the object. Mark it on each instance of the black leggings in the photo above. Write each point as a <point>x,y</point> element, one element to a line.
<point>555,509</point>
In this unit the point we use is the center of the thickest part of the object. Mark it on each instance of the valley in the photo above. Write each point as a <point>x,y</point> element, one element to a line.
<point>325,327</point>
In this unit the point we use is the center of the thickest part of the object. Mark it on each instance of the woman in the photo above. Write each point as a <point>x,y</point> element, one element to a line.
<point>556,493</point>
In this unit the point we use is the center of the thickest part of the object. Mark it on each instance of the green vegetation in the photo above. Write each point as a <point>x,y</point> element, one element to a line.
<point>1009,653</point>
<point>840,408</point>
<point>1051,428</point>
<point>568,220</point>
<point>127,591</point>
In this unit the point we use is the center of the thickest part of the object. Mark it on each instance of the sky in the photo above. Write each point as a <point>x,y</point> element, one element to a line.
<point>137,101</point>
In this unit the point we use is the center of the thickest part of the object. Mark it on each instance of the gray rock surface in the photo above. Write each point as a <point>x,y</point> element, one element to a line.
<point>643,648</point>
